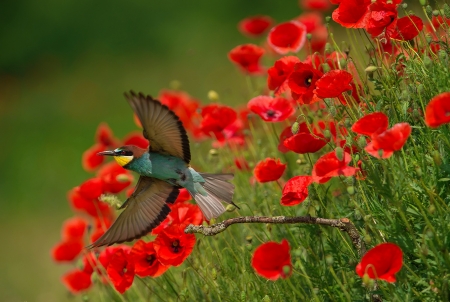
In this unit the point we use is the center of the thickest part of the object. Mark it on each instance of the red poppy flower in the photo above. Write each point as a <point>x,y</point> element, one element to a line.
<point>183,196</point>
<point>382,19</point>
<point>173,246</point>
<point>305,141</point>
<point>329,166</point>
<point>77,281</point>
<point>279,73</point>
<point>121,270</point>
<point>295,190</point>
<point>74,228</point>
<point>302,82</point>
<point>241,164</point>
<point>273,260</point>
<point>184,106</point>
<point>67,250</point>
<point>352,13</point>
<point>437,111</point>
<point>106,255</point>
<point>318,5</point>
<point>182,213</point>
<point>333,84</point>
<point>381,262</point>
<point>146,262</point>
<point>93,207</point>
<point>287,37</point>
<point>371,124</point>
<point>311,20</point>
<point>91,188</point>
<point>216,118</point>
<point>271,109</point>
<point>90,159</point>
<point>247,57</point>
<point>255,26</point>
<point>105,136</point>
<point>136,139</point>
<point>389,141</point>
<point>115,178</point>
<point>408,28</point>
<point>269,170</point>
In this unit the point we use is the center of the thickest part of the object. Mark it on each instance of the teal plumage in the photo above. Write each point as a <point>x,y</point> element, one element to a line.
<point>164,169</point>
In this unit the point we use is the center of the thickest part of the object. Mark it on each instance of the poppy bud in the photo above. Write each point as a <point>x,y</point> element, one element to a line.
<point>367,281</point>
<point>343,63</point>
<point>299,162</point>
<point>175,84</point>
<point>212,221</point>
<point>327,19</point>
<point>418,171</point>
<point>328,49</point>
<point>429,11</point>
<point>351,190</point>
<point>249,239</point>
<point>298,264</point>
<point>206,289</point>
<point>436,13</point>
<point>436,157</point>
<point>287,270</point>
<point>230,208</point>
<point>329,259</point>
<point>325,67</point>
<point>214,274</point>
<point>429,38</point>
<point>249,247</point>
<point>367,239</point>
<point>213,96</point>
<point>308,36</point>
<point>123,177</point>
<point>339,153</point>
<point>431,209</point>
<point>447,11</point>
<point>370,69</point>
<point>442,54</point>
<point>405,6</point>
<point>423,2</point>
<point>294,128</point>
<point>213,152</point>
<point>427,62</point>
<point>327,134</point>
<point>367,218</point>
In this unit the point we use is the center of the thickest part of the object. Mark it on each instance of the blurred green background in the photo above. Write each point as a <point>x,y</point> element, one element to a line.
<point>64,66</point>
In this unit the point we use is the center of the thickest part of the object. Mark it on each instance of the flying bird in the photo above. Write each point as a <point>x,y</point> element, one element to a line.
<point>164,169</point>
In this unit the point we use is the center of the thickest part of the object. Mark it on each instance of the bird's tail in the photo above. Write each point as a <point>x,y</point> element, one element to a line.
<point>217,187</point>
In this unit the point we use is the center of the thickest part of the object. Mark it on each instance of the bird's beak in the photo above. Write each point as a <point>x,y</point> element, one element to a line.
<point>110,153</point>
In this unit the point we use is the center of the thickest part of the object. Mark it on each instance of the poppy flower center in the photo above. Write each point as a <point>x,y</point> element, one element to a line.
<point>271,113</point>
<point>150,259</point>
<point>308,81</point>
<point>176,246</point>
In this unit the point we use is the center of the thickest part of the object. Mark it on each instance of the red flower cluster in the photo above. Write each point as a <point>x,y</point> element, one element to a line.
<point>273,260</point>
<point>379,19</point>
<point>271,109</point>
<point>381,262</point>
<point>383,141</point>
<point>247,57</point>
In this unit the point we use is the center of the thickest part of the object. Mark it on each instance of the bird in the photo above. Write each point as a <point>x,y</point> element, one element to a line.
<point>164,169</point>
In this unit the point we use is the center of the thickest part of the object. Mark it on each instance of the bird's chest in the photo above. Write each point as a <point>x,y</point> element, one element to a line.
<point>163,167</point>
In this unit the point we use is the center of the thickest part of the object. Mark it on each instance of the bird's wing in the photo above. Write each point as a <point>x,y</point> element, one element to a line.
<point>161,126</point>
<point>145,209</point>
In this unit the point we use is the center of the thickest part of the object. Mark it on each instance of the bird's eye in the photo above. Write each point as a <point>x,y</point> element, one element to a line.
<point>123,152</point>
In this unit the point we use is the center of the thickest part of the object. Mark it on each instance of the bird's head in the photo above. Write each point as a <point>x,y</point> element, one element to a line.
<point>122,155</point>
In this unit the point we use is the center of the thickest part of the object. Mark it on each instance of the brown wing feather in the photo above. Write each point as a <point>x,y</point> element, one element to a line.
<point>161,126</point>
<point>144,210</point>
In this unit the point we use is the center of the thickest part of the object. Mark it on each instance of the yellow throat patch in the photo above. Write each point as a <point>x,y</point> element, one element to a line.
<point>123,160</point>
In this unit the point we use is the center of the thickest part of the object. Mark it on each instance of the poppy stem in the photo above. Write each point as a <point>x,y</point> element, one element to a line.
<point>343,224</point>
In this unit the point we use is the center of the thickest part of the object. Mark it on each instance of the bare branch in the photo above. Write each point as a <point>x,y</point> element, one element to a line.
<point>343,224</point>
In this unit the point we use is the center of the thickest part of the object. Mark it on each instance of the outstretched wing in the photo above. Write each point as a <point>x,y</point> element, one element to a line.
<point>161,126</point>
<point>144,210</point>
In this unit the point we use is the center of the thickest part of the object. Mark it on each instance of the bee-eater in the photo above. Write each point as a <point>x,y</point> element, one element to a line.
<point>164,169</point>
